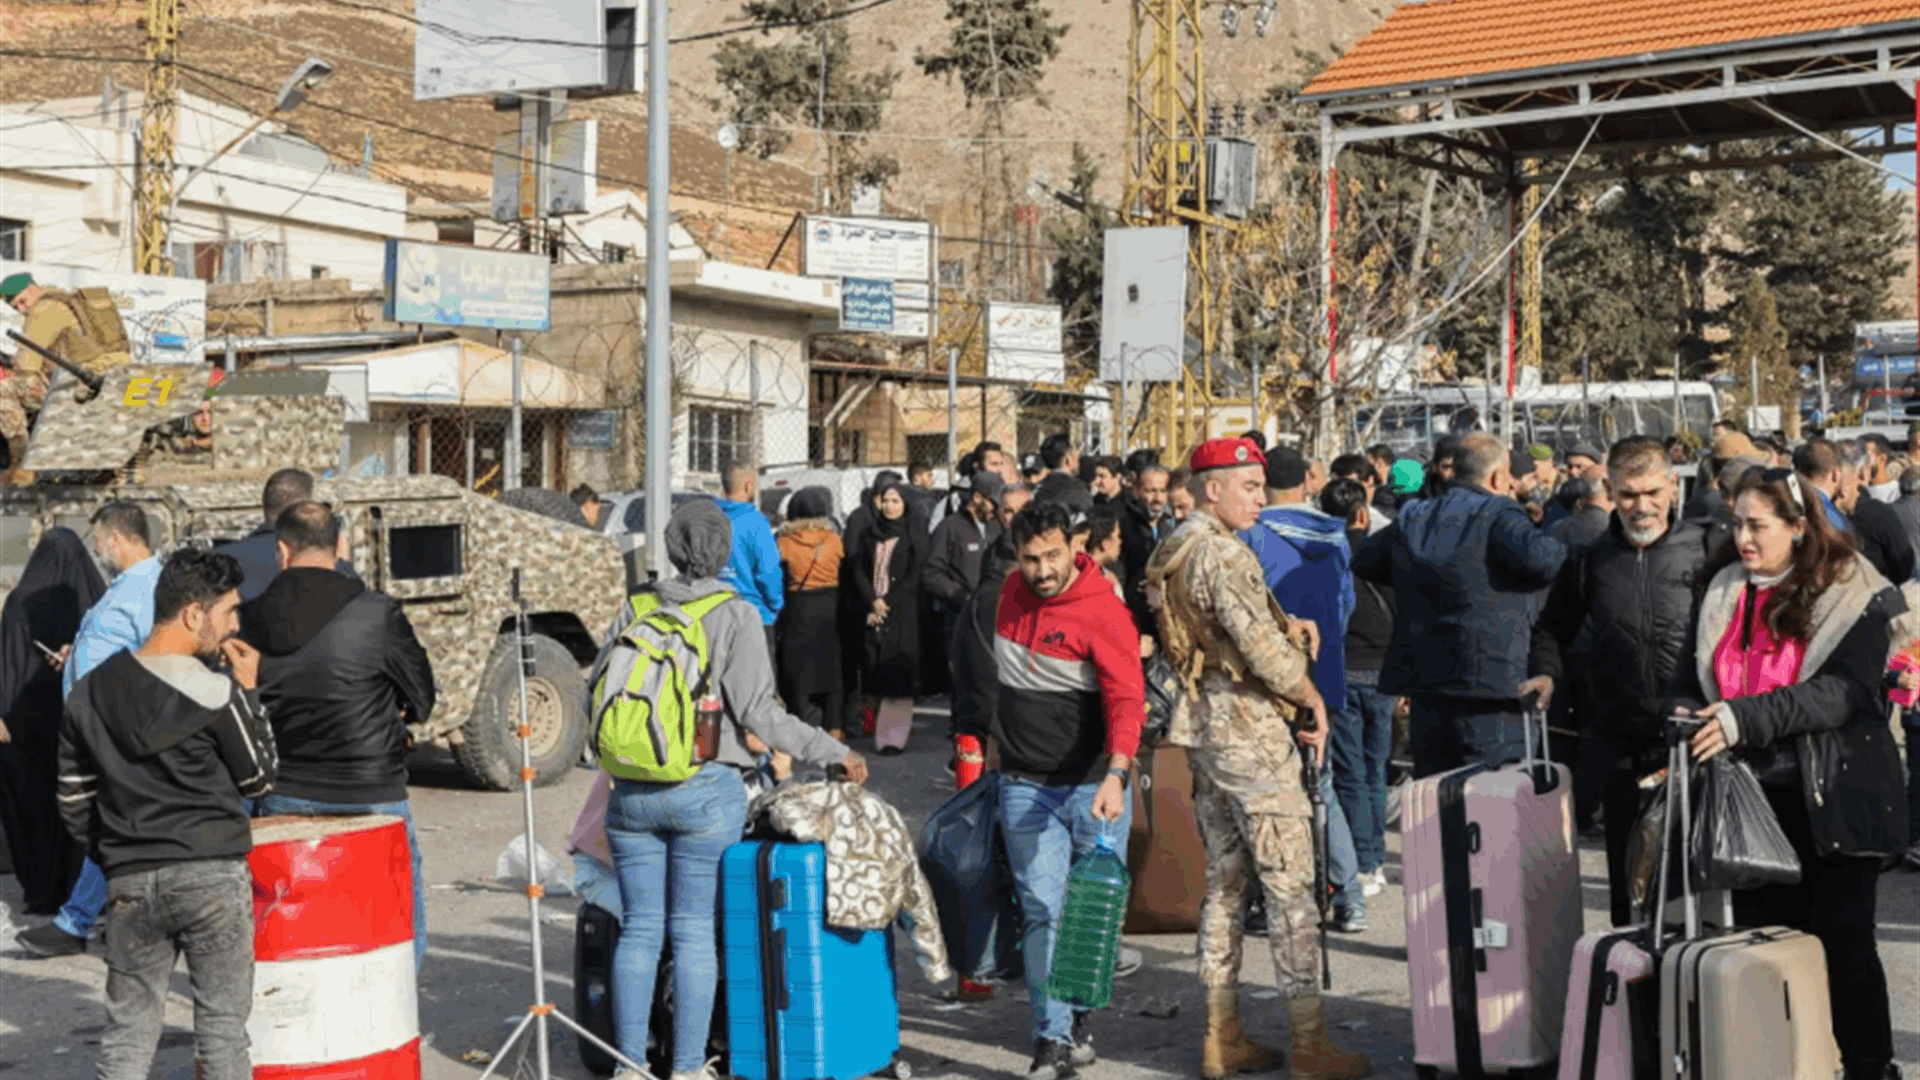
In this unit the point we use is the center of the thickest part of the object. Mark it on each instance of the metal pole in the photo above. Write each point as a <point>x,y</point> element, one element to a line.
<point>1329,315</point>
<point>753,406</point>
<point>1676,392</point>
<point>1123,396</point>
<point>659,375</point>
<point>1506,321</point>
<point>514,467</point>
<point>1753,394</point>
<point>1824,407</point>
<point>1258,420</point>
<point>953,411</point>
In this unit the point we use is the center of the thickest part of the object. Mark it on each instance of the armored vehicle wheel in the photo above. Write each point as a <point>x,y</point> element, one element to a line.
<point>489,750</point>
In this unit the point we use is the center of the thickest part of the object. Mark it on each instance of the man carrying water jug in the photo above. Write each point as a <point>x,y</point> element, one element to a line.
<point>1071,705</point>
<point>1225,633</point>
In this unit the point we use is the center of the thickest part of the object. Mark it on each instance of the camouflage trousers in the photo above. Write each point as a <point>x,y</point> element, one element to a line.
<point>21,393</point>
<point>1257,826</point>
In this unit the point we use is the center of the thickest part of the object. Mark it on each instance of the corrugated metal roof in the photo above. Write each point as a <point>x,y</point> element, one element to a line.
<point>1440,40</point>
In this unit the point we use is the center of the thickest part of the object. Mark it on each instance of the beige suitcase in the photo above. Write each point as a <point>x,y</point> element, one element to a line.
<point>1746,1004</point>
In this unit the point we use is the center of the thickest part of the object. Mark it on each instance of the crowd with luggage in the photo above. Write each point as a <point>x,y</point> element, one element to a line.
<point>1180,698</point>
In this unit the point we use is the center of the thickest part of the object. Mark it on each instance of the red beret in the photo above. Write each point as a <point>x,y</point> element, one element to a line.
<point>1225,454</point>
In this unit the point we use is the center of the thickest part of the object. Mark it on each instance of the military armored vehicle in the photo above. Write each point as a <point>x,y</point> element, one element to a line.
<point>445,553</point>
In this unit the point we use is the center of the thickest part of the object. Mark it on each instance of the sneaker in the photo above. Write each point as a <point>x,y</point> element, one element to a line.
<point>709,1071</point>
<point>1913,857</point>
<point>1082,1041</point>
<point>974,991</point>
<point>49,940</point>
<point>1349,921</point>
<point>1128,962</point>
<point>1371,884</point>
<point>1051,1061</point>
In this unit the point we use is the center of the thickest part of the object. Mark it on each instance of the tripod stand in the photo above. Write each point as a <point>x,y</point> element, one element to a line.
<point>541,1009</point>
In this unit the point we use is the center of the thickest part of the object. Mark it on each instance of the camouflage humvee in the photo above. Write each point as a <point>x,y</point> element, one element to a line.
<point>445,553</point>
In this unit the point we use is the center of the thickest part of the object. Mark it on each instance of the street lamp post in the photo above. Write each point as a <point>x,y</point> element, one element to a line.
<point>310,74</point>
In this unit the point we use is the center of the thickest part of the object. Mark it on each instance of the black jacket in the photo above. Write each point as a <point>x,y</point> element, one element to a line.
<point>953,562</point>
<point>260,561</point>
<point>1584,526</point>
<point>1630,610</point>
<point>1830,727</point>
<point>1464,569</point>
<point>339,664</point>
<point>1882,538</point>
<point>1139,535</point>
<point>976,673</point>
<point>152,769</point>
<point>1066,489</point>
<point>1370,629</point>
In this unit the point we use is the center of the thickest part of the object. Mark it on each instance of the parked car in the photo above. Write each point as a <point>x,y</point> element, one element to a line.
<point>625,520</point>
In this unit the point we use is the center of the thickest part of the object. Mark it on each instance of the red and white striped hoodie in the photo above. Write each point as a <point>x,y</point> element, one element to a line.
<point>1071,688</point>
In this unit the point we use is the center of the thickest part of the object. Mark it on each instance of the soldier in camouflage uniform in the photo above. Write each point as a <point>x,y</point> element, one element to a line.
<point>1226,635</point>
<point>50,323</point>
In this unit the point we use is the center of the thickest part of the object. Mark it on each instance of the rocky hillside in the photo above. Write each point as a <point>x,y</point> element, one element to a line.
<point>239,51</point>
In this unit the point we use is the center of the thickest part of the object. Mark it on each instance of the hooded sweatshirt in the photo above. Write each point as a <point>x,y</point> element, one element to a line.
<point>753,564</point>
<point>699,543</point>
<point>1305,557</point>
<point>1071,688</point>
<point>341,674</point>
<point>155,756</point>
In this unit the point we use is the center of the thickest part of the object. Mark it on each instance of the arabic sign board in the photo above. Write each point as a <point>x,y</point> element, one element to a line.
<point>592,430</point>
<point>457,285</point>
<point>868,248</point>
<point>476,47</point>
<point>1024,342</point>
<point>866,305</point>
<point>908,323</point>
<point>165,317</point>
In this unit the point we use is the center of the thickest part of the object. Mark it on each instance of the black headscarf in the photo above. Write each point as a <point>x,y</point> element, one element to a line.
<point>880,526</point>
<point>57,586</point>
<point>810,502</point>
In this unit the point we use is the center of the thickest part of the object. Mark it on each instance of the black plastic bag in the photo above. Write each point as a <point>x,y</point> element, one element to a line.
<point>1736,840</point>
<point>1643,848</point>
<point>965,860</point>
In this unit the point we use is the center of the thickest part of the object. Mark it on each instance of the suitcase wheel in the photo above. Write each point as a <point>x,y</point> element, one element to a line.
<point>1427,1072</point>
<point>899,1069</point>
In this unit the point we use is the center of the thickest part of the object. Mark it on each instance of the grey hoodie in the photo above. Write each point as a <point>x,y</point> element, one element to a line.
<point>699,541</point>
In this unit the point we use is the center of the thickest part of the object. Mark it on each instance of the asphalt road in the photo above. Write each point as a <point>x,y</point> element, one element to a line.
<point>477,980</point>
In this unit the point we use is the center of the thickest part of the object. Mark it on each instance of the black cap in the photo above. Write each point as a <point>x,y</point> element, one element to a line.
<point>1286,468</point>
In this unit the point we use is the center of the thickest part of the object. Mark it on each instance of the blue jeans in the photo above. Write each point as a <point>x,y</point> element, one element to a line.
<point>271,805</point>
<point>1046,829</point>
<point>1342,868</point>
<point>667,840</point>
<point>1362,737</point>
<point>81,912</point>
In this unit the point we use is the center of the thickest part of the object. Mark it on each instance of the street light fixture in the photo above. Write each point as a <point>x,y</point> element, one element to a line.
<point>308,76</point>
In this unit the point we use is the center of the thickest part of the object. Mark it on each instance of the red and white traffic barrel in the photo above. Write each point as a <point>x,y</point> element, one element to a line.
<point>334,995</point>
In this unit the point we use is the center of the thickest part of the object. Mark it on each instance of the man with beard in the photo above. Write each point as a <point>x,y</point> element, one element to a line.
<point>1628,600</point>
<point>1144,522</point>
<point>157,753</point>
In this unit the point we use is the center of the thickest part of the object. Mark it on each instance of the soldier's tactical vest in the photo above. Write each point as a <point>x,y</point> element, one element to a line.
<point>99,341</point>
<point>1186,633</point>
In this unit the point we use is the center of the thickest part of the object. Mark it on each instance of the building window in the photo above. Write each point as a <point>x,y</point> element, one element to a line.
<point>716,437</point>
<point>616,253</point>
<point>953,273</point>
<point>13,240</point>
<point>230,262</point>
<point>928,450</point>
<point>454,232</point>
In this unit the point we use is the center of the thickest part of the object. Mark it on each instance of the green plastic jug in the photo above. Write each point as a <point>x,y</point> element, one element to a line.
<point>1086,944</point>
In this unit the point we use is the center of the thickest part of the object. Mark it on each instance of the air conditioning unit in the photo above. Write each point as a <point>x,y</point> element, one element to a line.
<point>1230,171</point>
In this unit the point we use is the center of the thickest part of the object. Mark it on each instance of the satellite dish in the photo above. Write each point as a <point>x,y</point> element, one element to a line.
<point>729,137</point>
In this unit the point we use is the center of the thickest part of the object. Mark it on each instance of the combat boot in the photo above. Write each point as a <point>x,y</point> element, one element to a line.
<point>1228,1050</point>
<point>17,474</point>
<point>1315,1055</point>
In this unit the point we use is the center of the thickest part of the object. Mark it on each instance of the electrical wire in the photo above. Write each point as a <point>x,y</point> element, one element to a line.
<point>1817,137</point>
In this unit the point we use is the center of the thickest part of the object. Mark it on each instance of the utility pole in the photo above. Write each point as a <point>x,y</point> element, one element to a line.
<point>159,131</point>
<point>659,355</point>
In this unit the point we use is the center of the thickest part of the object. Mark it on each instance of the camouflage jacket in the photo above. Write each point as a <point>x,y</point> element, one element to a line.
<point>1216,615</point>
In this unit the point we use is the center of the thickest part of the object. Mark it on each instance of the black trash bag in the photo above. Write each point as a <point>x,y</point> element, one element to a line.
<point>965,860</point>
<point>1736,840</point>
<point>1164,694</point>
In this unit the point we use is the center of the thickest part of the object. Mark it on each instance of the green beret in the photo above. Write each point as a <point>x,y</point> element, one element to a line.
<point>14,285</point>
<point>1540,452</point>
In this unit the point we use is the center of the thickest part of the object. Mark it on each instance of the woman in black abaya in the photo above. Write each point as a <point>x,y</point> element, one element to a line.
<point>885,584</point>
<point>59,583</point>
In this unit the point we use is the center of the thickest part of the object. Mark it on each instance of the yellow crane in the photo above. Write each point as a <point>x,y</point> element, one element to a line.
<point>159,132</point>
<point>1167,185</point>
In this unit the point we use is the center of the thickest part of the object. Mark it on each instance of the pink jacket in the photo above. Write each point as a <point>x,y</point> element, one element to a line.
<point>1746,666</point>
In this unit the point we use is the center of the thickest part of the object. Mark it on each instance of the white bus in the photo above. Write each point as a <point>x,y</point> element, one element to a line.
<point>1558,414</point>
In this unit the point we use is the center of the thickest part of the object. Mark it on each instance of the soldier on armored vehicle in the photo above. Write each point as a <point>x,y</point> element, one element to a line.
<point>78,330</point>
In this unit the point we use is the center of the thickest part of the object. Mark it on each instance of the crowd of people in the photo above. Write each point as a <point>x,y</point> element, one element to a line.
<point>1325,619</point>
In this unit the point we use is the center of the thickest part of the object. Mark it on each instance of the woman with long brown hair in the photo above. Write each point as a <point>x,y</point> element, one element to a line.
<point>1789,655</point>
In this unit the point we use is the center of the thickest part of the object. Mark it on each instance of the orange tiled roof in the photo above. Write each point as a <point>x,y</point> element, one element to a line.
<point>1425,43</point>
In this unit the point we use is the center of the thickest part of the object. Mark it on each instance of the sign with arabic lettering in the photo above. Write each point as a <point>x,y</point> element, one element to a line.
<point>868,248</point>
<point>458,285</point>
<point>866,305</point>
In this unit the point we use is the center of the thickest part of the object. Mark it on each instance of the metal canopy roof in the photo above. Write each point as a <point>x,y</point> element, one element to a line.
<point>1437,86</point>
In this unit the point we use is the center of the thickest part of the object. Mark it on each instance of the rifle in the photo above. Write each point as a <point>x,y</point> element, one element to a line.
<point>93,382</point>
<point>1322,846</point>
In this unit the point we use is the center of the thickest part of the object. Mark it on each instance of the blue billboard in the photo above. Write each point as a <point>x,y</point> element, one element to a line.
<point>1872,370</point>
<point>866,304</point>
<point>457,285</point>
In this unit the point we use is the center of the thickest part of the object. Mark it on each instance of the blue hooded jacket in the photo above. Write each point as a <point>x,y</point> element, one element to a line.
<point>1305,557</point>
<point>753,570</point>
<point>1465,569</point>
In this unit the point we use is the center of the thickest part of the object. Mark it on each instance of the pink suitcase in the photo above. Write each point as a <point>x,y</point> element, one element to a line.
<point>1493,911</point>
<point>1612,1030</point>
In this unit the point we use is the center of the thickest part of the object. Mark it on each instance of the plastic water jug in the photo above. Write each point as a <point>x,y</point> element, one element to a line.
<point>1087,943</point>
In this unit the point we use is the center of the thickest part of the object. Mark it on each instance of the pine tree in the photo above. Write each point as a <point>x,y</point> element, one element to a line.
<point>1759,341</point>
<point>807,82</point>
<point>1080,239</point>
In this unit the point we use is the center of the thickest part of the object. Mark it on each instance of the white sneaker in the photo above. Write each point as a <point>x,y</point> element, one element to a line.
<point>1372,884</point>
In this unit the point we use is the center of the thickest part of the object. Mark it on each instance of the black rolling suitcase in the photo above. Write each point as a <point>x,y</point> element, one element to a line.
<point>595,935</point>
